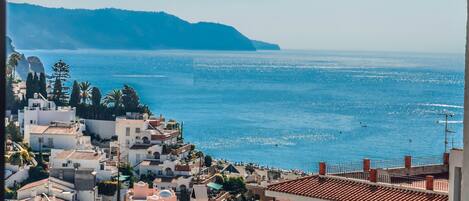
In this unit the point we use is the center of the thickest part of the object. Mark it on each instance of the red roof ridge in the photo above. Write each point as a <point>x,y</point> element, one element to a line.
<point>340,188</point>
<point>34,184</point>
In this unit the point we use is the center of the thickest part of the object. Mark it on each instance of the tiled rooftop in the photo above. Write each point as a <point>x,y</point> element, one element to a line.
<point>78,155</point>
<point>53,130</point>
<point>34,184</point>
<point>141,146</point>
<point>342,189</point>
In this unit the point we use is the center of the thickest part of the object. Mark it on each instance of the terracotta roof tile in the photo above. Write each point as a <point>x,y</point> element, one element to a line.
<point>182,168</point>
<point>341,189</point>
<point>34,184</point>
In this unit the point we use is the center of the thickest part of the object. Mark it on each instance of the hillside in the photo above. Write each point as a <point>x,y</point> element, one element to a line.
<point>36,27</point>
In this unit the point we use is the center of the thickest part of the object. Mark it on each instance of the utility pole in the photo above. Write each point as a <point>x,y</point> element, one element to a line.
<point>118,173</point>
<point>447,131</point>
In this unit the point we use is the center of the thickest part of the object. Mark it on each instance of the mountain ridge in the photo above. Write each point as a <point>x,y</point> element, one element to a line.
<point>37,27</point>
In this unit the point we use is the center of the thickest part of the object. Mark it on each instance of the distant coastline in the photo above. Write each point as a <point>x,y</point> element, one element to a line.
<point>130,30</point>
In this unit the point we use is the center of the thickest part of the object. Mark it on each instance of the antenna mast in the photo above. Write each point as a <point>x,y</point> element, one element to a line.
<point>447,131</point>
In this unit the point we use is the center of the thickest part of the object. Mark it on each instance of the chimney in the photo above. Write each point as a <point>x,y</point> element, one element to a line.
<point>446,158</point>
<point>429,182</point>
<point>408,162</point>
<point>373,175</point>
<point>322,168</point>
<point>366,165</point>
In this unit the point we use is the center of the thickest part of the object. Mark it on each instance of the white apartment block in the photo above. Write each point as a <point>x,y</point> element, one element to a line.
<point>51,188</point>
<point>134,129</point>
<point>57,136</point>
<point>40,111</point>
<point>83,159</point>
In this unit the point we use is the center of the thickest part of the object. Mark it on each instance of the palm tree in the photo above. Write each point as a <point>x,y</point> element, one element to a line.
<point>21,157</point>
<point>13,60</point>
<point>114,98</point>
<point>85,88</point>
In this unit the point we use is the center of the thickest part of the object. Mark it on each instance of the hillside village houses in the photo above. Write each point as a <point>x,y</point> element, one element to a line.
<point>154,147</point>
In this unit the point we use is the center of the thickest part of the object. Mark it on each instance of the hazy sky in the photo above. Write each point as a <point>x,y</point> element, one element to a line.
<point>390,25</point>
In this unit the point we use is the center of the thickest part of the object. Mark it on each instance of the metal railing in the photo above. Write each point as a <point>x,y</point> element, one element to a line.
<point>357,166</point>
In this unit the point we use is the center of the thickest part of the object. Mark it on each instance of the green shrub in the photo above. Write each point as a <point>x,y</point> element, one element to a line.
<point>107,188</point>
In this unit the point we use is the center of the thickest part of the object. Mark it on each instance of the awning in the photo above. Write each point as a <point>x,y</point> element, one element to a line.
<point>215,186</point>
<point>123,177</point>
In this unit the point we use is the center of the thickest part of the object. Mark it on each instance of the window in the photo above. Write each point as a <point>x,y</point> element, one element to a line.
<point>39,140</point>
<point>50,142</point>
<point>127,131</point>
<point>137,158</point>
<point>31,121</point>
<point>76,165</point>
<point>64,164</point>
<point>102,166</point>
<point>137,130</point>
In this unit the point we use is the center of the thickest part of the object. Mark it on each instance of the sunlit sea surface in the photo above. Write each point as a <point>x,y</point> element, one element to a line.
<point>289,109</point>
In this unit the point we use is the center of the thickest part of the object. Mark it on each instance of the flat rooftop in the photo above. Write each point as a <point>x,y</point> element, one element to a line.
<point>78,155</point>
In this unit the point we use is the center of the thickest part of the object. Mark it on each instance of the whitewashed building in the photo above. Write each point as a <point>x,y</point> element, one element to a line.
<point>142,192</point>
<point>50,187</point>
<point>40,111</point>
<point>83,159</point>
<point>57,136</point>
<point>136,129</point>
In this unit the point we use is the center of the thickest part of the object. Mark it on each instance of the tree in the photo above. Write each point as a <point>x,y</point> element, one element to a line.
<point>13,60</point>
<point>95,97</point>
<point>35,84</point>
<point>107,188</point>
<point>36,173</point>
<point>130,99</point>
<point>234,185</point>
<point>42,85</point>
<point>21,157</point>
<point>11,102</point>
<point>208,161</point>
<point>30,86</point>
<point>13,132</point>
<point>61,72</point>
<point>85,92</point>
<point>114,100</point>
<point>144,109</point>
<point>75,95</point>
<point>218,178</point>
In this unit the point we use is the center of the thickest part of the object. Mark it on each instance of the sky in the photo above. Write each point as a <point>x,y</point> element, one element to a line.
<point>366,25</point>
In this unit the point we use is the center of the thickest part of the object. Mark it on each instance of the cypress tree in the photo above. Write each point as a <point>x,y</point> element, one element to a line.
<point>75,95</point>
<point>29,86</point>
<point>96,101</point>
<point>95,97</point>
<point>35,83</point>
<point>43,85</point>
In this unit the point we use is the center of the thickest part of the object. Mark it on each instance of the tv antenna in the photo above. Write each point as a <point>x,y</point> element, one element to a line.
<point>447,131</point>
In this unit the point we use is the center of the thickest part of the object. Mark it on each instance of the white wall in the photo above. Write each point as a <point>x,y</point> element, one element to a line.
<point>86,195</point>
<point>105,129</point>
<point>455,161</point>
<point>60,141</point>
<point>19,176</point>
<point>124,140</point>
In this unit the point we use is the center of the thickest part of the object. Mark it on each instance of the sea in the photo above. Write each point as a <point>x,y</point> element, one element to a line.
<point>290,109</point>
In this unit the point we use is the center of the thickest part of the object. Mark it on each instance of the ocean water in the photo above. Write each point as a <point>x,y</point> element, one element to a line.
<point>289,109</point>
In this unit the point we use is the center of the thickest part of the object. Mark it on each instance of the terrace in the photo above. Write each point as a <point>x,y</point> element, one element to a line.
<point>426,173</point>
